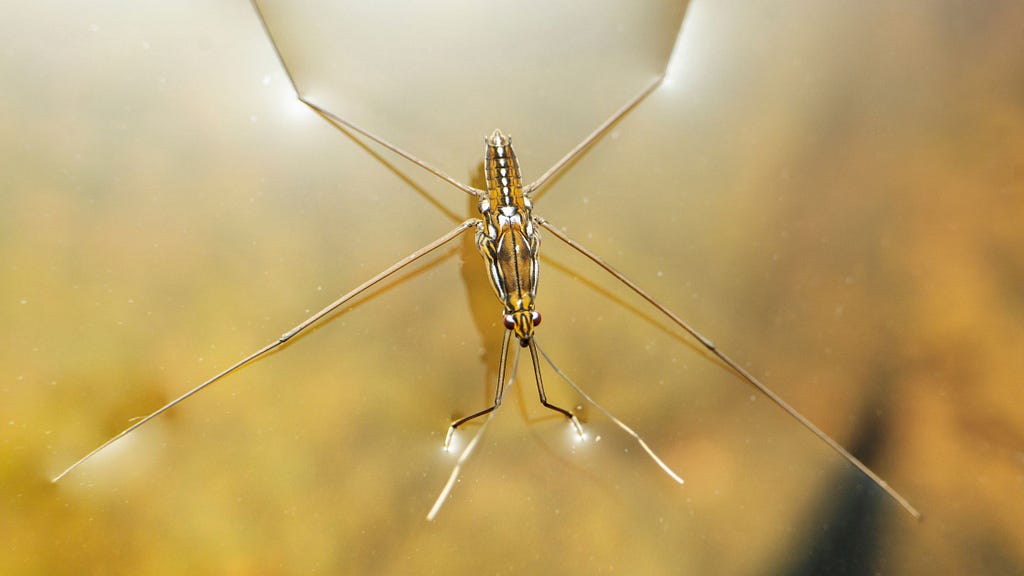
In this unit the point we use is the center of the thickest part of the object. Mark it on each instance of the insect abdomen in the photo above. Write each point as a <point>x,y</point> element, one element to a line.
<point>501,171</point>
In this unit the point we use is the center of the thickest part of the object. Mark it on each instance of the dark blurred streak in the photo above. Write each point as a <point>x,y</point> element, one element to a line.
<point>851,529</point>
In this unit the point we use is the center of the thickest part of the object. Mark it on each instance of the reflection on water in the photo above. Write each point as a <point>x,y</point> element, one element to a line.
<point>813,189</point>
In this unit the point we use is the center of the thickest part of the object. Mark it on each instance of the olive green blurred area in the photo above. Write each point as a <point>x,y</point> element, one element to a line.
<point>833,192</point>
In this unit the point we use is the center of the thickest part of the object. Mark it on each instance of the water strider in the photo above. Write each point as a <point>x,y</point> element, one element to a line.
<point>507,236</point>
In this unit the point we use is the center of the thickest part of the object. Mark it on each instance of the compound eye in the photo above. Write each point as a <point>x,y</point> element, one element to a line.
<point>535,316</point>
<point>509,321</point>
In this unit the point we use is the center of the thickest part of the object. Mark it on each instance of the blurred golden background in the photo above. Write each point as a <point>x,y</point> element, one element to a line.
<point>832,192</point>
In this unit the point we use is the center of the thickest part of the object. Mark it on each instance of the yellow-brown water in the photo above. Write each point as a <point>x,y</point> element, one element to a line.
<point>832,193</point>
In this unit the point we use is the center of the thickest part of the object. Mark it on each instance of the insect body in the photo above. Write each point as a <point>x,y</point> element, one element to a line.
<point>510,245</point>
<point>507,239</point>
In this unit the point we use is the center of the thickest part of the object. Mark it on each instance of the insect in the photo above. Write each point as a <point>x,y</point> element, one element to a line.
<point>507,235</point>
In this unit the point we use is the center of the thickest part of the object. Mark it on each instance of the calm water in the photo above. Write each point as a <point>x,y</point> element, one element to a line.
<point>832,194</point>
